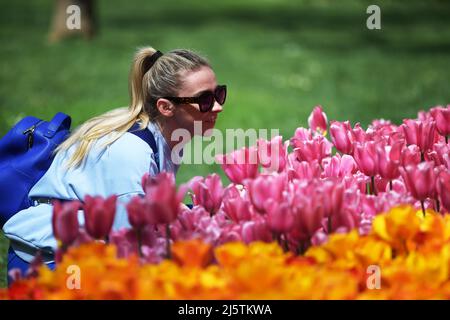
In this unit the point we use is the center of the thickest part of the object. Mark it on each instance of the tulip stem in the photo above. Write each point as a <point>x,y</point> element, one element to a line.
<point>168,241</point>
<point>438,206</point>
<point>446,139</point>
<point>139,240</point>
<point>423,207</point>
<point>374,190</point>
<point>301,248</point>
<point>286,243</point>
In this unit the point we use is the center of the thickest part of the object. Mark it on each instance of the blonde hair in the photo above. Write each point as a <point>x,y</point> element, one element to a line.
<point>146,86</point>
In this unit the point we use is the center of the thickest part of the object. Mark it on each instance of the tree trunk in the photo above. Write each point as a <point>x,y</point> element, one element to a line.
<point>88,18</point>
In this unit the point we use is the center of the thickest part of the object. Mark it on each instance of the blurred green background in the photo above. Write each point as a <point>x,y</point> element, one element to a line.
<point>279,59</point>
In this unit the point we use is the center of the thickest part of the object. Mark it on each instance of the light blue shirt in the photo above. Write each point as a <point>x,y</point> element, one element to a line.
<point>117,169</point>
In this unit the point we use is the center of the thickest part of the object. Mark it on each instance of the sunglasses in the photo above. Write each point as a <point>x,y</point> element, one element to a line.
<point>205,100</point>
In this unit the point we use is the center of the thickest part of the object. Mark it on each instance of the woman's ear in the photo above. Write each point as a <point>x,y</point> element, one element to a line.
<point>165,107</point>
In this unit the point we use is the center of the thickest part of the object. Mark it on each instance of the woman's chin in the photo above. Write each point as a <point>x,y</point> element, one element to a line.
<point>207,128</point>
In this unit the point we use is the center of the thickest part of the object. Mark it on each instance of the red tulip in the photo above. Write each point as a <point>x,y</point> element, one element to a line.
<point>144,180</point>
<point>317,120</point>
<point>272,154</point>
<point>420,180</point>
<point>99,215</point>
<point>240,165</point>
<point>163,197</point>
<point>138,212</point>
<point>443,189</point>
<point>65,221</point>
<point>420,133</point>
<point>442,117</point>
<point>207,192</point>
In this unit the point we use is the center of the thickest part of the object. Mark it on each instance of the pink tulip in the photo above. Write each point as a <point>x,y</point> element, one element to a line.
<point>440,154</point>
<point>307,222</point>
<point>358,182</point>
<point>333,191</point>
<point>99,215</point>
<point>424,116</point>
<point>127,241</point>
<point>342,136</point>
<point>443,189</point>
<point>272,154</point>
<point>238,209</point>
<point>381,184</point>
<point>410,155</point>
<point>255,231</point>
<point>320,237</point>
<point>339,166</point>
<point>308,210</point>
<point>383,127</point>
<point>359,135</point>
<point>279,217</point>
<point>164,199</point>
<point>344,221</point>
<point>207,192</point>
<point>316,149</point>
<point>442,117</point>
<point>240,165</point>
<point>388,160</point>
<point>420,180</point>
<point>366,157</point>
<point>189,219</point>
<point>419,133</point>
<point>301,134</point>
<point>317,120</point>
<point>265,188</point>
<point>65,221</point>
<point>302,170</point>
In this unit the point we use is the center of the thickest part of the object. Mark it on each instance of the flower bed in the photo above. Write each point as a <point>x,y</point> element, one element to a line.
<point>412,252</point>
<point>298,222</point>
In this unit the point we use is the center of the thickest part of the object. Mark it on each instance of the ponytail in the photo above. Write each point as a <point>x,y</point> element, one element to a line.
<point>149,80</point>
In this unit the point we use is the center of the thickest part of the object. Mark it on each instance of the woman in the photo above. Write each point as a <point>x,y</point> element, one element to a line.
<point>103,157</point>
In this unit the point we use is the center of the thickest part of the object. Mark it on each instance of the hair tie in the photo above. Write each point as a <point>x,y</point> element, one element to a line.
<point>150,61</point>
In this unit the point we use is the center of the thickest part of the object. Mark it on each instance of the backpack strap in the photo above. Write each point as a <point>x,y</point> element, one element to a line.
<point>146,135</point>
<point>59,120</point>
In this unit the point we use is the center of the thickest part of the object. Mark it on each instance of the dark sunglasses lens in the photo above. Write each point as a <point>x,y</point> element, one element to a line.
<point>206,101</point>
<point>221,94</point>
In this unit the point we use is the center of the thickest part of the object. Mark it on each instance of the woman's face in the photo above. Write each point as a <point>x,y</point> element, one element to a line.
<point>193,84</point>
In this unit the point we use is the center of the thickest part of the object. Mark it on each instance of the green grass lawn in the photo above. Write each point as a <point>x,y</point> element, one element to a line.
<point>278,58</point>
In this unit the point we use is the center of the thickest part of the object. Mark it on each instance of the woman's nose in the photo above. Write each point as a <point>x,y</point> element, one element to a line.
<point>217,107</point>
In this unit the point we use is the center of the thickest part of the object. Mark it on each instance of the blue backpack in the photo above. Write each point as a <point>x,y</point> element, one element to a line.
<point>26,153</point>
